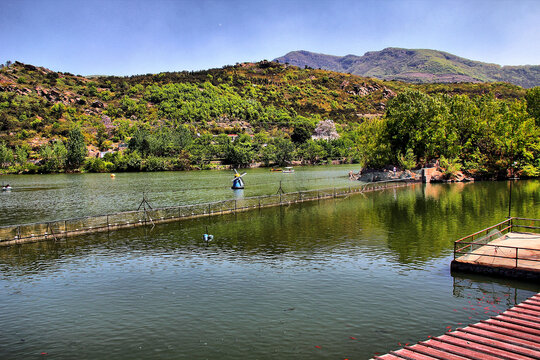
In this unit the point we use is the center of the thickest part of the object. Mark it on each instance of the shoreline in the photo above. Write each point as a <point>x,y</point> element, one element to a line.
<point>378,174</point>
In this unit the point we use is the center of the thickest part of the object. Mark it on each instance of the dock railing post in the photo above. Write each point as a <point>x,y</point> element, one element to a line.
<point>517,257</point>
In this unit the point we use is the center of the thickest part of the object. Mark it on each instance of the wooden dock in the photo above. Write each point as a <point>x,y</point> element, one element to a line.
<point>514,334</point>
<point>505,249</point>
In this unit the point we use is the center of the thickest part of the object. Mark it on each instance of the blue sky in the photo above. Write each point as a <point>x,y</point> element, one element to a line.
<point>117,37</point>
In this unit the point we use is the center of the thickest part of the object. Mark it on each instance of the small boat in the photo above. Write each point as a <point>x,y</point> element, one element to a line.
<point>237,182</point>
<point>275,169</point>
<point>6,188</point>
<point>288,170</point>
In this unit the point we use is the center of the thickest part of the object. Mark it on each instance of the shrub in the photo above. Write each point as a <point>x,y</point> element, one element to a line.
<point>408,161</point>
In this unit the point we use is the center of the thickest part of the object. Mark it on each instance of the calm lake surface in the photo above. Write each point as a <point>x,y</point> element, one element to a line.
<point>40,198</point>
<point>341,278</point>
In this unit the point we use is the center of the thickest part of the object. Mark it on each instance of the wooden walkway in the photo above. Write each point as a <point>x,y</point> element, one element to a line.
<point>514,334</point>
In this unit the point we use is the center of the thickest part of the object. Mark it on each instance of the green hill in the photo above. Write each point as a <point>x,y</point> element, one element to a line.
<point>182,120</point>
<point>417,66</point>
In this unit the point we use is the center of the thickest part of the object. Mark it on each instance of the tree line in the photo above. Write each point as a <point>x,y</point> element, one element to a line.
<point>178,121</point>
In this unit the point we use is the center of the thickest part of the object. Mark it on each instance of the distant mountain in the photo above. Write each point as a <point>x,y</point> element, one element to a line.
<point>417,66</point>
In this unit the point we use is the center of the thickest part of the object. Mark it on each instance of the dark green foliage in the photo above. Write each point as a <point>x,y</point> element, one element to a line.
<point>302,131</point>
<point>53,157</point>
<point>6,156</point>
<point>163,141</point>
<point>76,149</point>
<point>268,154</point>
<point>486,135</point>
<point>533,103</point>
<point>284,151</point>
<point>240,152</point>
<point>312,152</point>
<point>21,154</point>
<point>98,165</point>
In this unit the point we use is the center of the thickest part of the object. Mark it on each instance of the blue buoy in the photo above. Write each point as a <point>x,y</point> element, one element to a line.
<point>207,237</point>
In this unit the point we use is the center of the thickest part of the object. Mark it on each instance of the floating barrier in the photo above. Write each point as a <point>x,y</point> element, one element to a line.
<point>55,230</point>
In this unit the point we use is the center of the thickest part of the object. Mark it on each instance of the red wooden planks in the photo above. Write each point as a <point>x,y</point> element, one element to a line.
<point>514,334</point>
<point>527,319</point>
<point>506,331</point>
<point>467,352</point>
<point>408,353</point>
<point>426,350</point>
<point>492,347</point>
<point>491,335</point>
<point>518,323</point>
<point>526,309</point>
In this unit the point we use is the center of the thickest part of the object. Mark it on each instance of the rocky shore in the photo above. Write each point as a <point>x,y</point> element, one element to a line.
<point>434,175</point>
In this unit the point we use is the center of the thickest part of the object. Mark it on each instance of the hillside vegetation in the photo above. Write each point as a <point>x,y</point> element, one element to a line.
<point>417,66</point>
<point>266,113</point>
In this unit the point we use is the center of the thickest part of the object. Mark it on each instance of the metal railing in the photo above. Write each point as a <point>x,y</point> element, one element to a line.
<point>481,239</point>
<point>13,234</point>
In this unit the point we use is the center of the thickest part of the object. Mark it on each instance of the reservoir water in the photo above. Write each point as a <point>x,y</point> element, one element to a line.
<point>341,278</point>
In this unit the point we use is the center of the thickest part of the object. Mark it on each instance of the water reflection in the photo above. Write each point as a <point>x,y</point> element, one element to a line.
<point>372,270</point>
<point>490,296</point>
<point>238,193</point>
<point>407,226</point>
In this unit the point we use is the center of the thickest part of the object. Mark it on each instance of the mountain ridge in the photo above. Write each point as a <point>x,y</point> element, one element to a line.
<point>416,66</point>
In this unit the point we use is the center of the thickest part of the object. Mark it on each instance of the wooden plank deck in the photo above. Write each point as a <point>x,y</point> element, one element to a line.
<point>513,255</point>
<point>514,334</point>
<point>502,252</point>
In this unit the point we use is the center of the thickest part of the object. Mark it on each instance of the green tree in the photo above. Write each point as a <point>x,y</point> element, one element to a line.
<point>239,154</point>
<point>312,152</point>
<point>302,131</point>
<point>268,154</point>
<point>415,121</point>
<point>53,157</point>
<point>533,103</point>
<point>284,151</point>
<point>140,141</point>
<point>21,154</point>
<point>407,161</point>
<point>6,156</point>
<point>76,149</point>
<point>200,155</point>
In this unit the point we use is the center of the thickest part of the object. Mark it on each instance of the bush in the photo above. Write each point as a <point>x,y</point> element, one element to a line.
<point>153,163</point>
<point>98,165</point>
<point>408,161</point>
<point>450,166</point>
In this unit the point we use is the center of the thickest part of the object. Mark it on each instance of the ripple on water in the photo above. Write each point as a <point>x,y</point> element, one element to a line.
<point>319,281</point>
